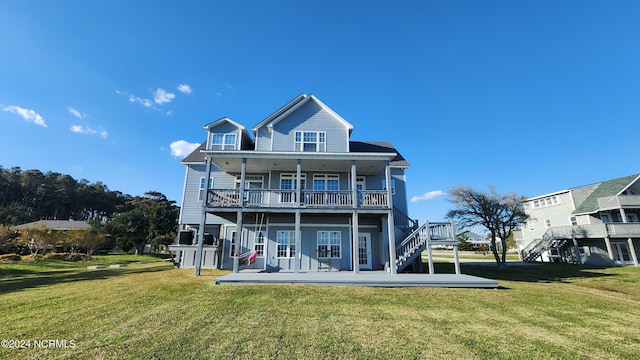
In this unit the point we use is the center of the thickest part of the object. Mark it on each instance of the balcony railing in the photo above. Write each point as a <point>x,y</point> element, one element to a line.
<point>597,231</point>
<point>616,202</point>
<point>288,198</point>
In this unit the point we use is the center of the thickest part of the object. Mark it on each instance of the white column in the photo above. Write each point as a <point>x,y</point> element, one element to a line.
<point>354,190</point>
<point>239,217</point>
<point>429,250</point>
<point>607,241</point>
<point>576,248</point>
<point>456,259</point>
<point>632,249</point>
<point>203,218</point>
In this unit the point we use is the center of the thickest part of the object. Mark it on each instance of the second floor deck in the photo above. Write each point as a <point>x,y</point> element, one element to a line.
<point>271,198</point>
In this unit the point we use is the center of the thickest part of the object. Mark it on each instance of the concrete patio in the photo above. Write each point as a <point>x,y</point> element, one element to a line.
<point>363,278</point>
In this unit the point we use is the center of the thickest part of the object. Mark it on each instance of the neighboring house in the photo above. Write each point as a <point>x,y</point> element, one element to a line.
<point>474,238</point>
<point>298,195</point>
<point>591,224</point>
<point>56,225</point>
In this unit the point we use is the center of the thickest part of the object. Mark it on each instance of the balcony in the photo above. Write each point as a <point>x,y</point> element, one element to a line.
<point>262,198</point>
<point>596,231</point>
<point>620,201</point>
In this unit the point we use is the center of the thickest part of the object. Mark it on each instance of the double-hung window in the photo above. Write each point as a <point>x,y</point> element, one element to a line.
<point>288,184</point>
<point>258,245</point>
<point>310,141</point>
<point>329,244</point>
<point>223,141</point>
<point>393,186</point>
<point>286,246</point>
<point>201,192</point>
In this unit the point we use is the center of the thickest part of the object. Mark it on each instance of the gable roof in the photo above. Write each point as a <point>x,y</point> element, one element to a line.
<point>607,188</point>
<point>294,105</point>
<point>55,225</point>
<point>196,156</point>
<point>223,120</point>
<point>379,147</point>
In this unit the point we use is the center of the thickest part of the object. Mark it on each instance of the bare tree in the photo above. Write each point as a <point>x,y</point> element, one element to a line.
<point>499,214</point>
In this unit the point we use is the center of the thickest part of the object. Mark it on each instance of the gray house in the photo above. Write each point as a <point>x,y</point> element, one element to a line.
<point>296,193</point>
<point>590,224</point>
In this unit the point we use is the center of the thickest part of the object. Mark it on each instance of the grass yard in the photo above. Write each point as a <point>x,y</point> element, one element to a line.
<point>150,310</point>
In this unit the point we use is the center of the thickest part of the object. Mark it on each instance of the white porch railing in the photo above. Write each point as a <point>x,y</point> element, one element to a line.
<point>288,198</point>
<point>615,202</point>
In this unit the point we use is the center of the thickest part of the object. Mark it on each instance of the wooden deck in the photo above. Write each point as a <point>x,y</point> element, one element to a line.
<point>364,278</point>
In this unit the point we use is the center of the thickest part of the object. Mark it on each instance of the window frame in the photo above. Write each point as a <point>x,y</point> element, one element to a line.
<point>331,241</point>
<point>300,141</point>
<point>201,187</point>
<point>289,247</point>
<point>393,185</point>
<point>224,143</point>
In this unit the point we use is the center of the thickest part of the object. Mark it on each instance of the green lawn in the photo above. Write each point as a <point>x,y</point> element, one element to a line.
<point>150,310</point>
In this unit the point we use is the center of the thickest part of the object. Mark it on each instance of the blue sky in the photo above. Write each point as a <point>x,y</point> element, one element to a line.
<point>529,96</point>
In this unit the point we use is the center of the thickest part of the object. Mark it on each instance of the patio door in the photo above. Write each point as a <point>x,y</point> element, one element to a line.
<point>364,251</point>
<point>621,252</point>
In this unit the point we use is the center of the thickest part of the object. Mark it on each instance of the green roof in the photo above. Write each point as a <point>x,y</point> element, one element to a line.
<point>607,188</point>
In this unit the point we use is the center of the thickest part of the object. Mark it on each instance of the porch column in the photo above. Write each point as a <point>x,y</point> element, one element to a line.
<point>298,240</point>
<point>298,182</point>
<point>354,190</point>
<point>623,215</point>
<point>203,219</point>
<point>455,248</point>
<point>576,248</point>
<point>390,221</point>
<point>429,249</point>
<point>607,241</point>
<point>356,237</point>
<point>632,249</point>
<point>239,216</point>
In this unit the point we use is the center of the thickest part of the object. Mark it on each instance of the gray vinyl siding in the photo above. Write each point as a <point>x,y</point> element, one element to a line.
<point>191,210</point>
<point>311,117</point>
<point>263,139</point>
<point>374,182</point>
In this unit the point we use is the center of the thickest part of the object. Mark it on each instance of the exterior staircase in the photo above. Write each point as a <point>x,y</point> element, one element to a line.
<point>549,243</point>
<point>410,245</point>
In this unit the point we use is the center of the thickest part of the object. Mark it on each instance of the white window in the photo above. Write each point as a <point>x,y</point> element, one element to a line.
<point>326,182</point>
<point>223,141</point>
<point>286,247</point>
<point>393,186</point>
<point>258,244</point>
<point>288,182</point>
<point>531,225</point>
<point>574,221</point>
<point>251,182</point>
<point>310,141</point>
<point>329,244</point>
<point>536,203</point>
<point>201,191</point>
<point>547,223</point>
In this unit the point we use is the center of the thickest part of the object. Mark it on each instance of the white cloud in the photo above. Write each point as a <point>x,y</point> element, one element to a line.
<point>429,195</point>
<point>161,96</point>
<point>184,88</point>
<point>79,129</point>
<point>144,102</point>
<point>169,113</point>
<point>181,148</point>
<point>27,114</point>
<point>75,113</point>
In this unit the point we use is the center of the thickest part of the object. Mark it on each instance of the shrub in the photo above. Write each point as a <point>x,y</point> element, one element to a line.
<point>10,258</point>
<point>65,256</point>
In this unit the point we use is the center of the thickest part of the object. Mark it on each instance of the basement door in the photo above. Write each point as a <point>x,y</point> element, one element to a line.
<point>364,251</point>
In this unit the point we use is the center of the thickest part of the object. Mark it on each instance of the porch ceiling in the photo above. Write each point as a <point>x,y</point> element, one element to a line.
<point>365,165</point>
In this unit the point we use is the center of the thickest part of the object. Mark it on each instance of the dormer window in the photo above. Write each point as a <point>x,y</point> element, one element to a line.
<point>223,141</point>
<point>310,141</point>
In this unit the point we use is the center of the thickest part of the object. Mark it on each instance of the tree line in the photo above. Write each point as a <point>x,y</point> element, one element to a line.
<point>129,222</point>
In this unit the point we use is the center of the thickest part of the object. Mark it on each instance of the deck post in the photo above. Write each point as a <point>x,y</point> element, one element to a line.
<point>390,221</point>
<point>356,244</point>
<point>632,250</point>
<point>298,234</point>
<point>203,219</point>
<point>354,186</point>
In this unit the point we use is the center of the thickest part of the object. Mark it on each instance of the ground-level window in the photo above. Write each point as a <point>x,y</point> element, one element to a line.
<point>286,246</point>
<point>574,220</point>
<point>258,244</point>
<point>547,223</point>
<point>329,244</point>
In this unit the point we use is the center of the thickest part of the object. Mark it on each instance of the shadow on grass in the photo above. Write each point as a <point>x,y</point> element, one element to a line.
<point>543,272</point>
<point>21,279</point>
